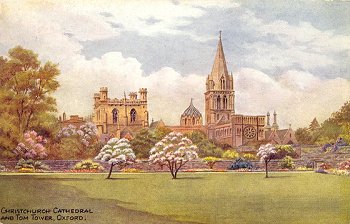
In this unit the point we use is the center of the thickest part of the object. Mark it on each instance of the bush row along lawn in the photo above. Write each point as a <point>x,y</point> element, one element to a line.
<point>195,197</point>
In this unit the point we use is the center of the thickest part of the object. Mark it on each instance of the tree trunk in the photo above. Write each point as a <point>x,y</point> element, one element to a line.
<point>175,173</point>
<point>266,169</point>
<point>110,171</point>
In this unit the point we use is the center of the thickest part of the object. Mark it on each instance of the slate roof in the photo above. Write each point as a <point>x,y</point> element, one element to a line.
<point>191,111</point>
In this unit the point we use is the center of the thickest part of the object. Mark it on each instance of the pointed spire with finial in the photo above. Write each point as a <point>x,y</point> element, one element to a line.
<point>219,66</point>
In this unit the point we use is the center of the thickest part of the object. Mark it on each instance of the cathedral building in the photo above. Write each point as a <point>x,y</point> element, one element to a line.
<point>222,123</point>
<point>120,117</point>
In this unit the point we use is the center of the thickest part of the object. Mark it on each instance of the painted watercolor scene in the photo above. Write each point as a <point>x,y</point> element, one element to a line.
<point>174,112</point>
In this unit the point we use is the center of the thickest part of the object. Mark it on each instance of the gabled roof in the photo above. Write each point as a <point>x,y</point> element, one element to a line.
<point>156,124</point>
<point>223,120</point>
<point>191,111</point>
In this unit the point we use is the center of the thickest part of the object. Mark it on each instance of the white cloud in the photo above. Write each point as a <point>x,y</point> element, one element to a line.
<point>290,45</point>
<point>54,30</point>
<point>296,96</point>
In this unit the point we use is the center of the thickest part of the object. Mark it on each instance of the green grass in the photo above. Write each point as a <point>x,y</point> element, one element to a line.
<point>195,197</point>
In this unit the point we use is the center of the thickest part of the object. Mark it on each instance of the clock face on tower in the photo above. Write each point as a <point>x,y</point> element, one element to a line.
<point>249,132</point>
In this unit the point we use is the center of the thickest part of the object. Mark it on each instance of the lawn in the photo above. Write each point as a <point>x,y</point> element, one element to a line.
<point>194,197</point>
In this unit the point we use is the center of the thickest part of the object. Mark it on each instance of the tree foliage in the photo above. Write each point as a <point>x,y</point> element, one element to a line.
<point>143,142</point>
<point>173,151</point>
<point>335,127</point>
<point>74,142</point>
<point>266,153</point>
<point>205,146</point>
<point>117,152</point>
<point>25,94</point>
<point>32,147</point>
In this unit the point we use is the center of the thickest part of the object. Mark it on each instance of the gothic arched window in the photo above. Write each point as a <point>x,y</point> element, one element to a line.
<point>133,115</point>
<point>218,103</point>
<point>225,102</point>
<point>223,83</point>
<point>115,115</point>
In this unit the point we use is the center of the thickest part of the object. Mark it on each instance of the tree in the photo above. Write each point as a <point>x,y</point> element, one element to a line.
<point>29,150</point>
<point>173,151</point>
<point>160,132</point>
<point>210,161</point>
<point>25,95</point>
<point>143,142</point>
<point>78,141</point>
<point>205,146</point>
<point>32,147</point>
<point>266,153</point>
<point>303,136</point>
<point>314,125</point>
<point>117,152</point>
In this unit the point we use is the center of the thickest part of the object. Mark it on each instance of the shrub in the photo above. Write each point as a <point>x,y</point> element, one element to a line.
<point>230,154</point>
<point>339,172</point>
<point>303,168</point>
<point>132,170</point>
<point>32,147</point>
<point>239,164</point>
<point>325,166</point>
<point>23,164</point>
<point>287,163</point>
<point>249,156</point>
<point>283,151</point>
<point>210,161</point>
<point>88,165</point>
<point>344,165</point>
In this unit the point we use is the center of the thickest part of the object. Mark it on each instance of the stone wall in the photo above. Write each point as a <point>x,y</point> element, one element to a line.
<point>61,165</point>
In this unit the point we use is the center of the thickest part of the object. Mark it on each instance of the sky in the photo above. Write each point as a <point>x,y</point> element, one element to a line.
<point>287,56</point>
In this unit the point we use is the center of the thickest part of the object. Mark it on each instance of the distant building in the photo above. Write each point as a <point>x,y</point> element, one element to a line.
<point>120,117</point>
<point>275,135</point>
<point>222,123</point>
<point>190,120</point>
<point>73,120</point>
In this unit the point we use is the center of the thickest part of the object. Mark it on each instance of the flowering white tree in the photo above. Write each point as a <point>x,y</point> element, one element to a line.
<point>173,151</point>
<point>117,152</point>
<point>266,153</point>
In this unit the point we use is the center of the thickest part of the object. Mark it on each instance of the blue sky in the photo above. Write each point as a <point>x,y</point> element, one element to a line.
<point>288,56</point>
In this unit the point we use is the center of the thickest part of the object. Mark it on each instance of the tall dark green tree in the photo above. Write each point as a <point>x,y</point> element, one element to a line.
<point>25,95</point>
<point>143,142</point>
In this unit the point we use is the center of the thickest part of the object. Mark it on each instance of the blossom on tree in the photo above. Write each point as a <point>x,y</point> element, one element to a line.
<point>32,147</point>
<point>173,151</point>
<point>266,153</point>
<point>86,133</point>
<point>117,152</point>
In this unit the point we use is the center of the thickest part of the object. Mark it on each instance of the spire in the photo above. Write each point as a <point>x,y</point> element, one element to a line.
<point>219,66</point>
<point>268,118</point>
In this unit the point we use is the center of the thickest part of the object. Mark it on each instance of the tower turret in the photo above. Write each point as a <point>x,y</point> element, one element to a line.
<point>143,94</point>
<point>275,125</point>
<point>103,93</point>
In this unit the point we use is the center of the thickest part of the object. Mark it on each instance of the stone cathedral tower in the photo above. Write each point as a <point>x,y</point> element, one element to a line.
<point>219,95</point>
